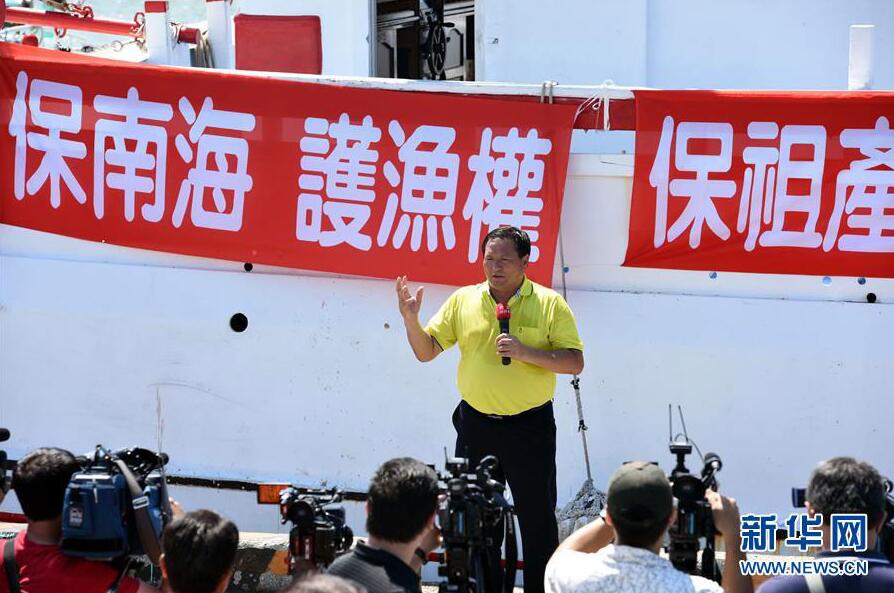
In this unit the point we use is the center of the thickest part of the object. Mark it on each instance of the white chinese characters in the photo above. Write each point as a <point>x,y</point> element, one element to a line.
<point>780,194</point>
<point>338,174</point>
<point>143,136</point>
<point>339,165</point>
<point>504,191</point>
<point>867,184</point>
<point>197,149</point>
<point>130,153</point>
<point>56,148</point>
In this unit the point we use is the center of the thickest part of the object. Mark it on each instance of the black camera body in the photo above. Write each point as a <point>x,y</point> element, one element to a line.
<point>474,516</point>
<point>695,522</point>
<point>5,479</point>
<point>886,537</point>
<point>116,506</point>
<point>319,531</point>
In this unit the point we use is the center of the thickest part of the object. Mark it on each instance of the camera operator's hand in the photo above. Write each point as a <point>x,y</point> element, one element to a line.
<point>429,542</point>
<point>726,520</point>
<point>725,512</point>
<point>432,540</point>
<point>176,509</point>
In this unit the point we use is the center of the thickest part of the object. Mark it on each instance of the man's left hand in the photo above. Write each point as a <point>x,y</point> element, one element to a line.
<point>432,540</point>
<point>725,512</point>
<point>511,346</point>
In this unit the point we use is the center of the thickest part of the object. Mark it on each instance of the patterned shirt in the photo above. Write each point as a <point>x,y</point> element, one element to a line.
<point>620,569</point>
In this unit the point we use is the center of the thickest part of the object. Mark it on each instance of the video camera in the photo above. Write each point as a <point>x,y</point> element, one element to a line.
<point>474,517</point>
<point>116,506</point>
<point>886,537</point>
<point>5,480</point>
<point>319,532</point>
<point>695,522</point>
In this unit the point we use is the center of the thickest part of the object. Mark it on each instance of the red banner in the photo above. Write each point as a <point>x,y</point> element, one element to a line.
<point>767,182</point>
<point>346,180</point>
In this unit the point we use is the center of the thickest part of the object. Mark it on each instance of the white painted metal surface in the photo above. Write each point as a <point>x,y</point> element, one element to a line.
<point>861,57</point>
<point>220,33</point>
<point>739,44</point>
<point>161,44</point>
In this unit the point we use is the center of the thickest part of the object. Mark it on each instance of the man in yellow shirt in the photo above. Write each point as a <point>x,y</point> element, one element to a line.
<point>506,410</point>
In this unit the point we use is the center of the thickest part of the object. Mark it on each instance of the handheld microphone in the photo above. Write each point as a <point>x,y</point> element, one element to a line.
<point>503,315</point>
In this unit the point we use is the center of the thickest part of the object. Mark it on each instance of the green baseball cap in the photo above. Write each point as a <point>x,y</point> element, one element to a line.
<point>640,492</point>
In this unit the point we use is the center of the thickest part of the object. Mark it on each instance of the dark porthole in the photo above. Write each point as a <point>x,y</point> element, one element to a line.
<point>239,323</point>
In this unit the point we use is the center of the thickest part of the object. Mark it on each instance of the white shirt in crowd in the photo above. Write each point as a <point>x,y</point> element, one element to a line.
<point>620,569</point>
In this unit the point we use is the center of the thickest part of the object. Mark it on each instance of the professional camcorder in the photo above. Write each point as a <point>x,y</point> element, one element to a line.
<point>886,537</point>
<point>474,516</point>
<point>319,532</point>
<point>694,529</point>
<point>116,506</point>
<point>5,480</point>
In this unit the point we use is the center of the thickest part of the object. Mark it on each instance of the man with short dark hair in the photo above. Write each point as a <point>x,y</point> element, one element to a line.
<point>198,553</point>
<point>506,409</point>
<point>39,481</point>
<point>844,485</point>
<point>400,519</point>
<point>640,509</point>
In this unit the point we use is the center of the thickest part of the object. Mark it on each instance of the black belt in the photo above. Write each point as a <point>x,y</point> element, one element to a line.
<point>508,417</point>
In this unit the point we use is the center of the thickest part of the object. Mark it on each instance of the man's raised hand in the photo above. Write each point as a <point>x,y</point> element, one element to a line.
<point>408,304</point>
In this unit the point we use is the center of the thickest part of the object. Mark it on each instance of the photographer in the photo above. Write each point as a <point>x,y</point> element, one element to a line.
<point>640,509</point>
<point>844,485</point>
<point>39,481</point>
<point>199,553</point>
<point>400,516</point>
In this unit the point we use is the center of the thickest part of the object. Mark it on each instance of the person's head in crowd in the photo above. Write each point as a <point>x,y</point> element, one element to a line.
<point>323,583</point>
<point>845,485</point>
<point>402,501</point>
<point>199,552</point>
<point>39,481</point>
<point>640,505</point>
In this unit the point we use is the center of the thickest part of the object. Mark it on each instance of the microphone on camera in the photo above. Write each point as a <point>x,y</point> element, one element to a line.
<point>712,463</point>
<point>4,434</point>
<point>503,315</point>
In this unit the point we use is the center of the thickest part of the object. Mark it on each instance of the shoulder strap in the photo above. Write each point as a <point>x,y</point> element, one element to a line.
<point>815,583</point>
<point>140,504</point>
<point>9,565</point>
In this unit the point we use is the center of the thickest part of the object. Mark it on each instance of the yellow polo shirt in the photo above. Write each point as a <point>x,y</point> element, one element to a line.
<point>540,318</point>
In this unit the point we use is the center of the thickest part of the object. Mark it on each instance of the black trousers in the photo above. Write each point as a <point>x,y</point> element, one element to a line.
<point>525,444</point>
